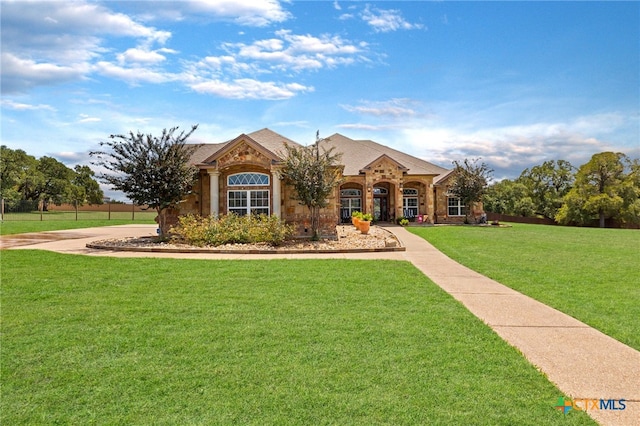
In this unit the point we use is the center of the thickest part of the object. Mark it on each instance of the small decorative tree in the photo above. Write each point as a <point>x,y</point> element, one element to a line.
<point>150,170</point>
<point>313,175</point>
<point>469,182</point>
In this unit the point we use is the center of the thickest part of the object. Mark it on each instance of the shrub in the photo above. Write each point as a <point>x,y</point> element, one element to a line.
<point>229,229</point>
<point>402,221</point>
<point>367,217</point>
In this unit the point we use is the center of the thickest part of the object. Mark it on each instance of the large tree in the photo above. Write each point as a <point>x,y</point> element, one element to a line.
<point>547,185</point>
<point>509,197</point>
<point>469,182</point>
<point>314,174</point>
<point>149,169</point>
<point>23,177</point>
<point>602,190</point>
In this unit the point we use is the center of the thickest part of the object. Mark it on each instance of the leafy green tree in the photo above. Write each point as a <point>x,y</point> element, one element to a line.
<point>469,182</point>
<point>56,184</point>
<point>547,185</point>
<point>314,175</point>
<point>149,169</point>
<point>16,169</point>
<point>509,197</point>
<point>85,188</point>
<point>602,190</point>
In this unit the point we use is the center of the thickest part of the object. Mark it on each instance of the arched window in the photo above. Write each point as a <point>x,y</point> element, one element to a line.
<point>242,201</point>
<point>248,179</point>
<point>380,191</point>
<point>350,193</point>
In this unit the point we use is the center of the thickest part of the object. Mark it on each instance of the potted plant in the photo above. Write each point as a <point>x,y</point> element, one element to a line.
<point>355,218</point>
<point>365,223</point>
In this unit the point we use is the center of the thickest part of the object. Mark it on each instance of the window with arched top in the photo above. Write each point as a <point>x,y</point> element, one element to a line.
<point>410,191</point>
<point>248,179</point>
<point>350,193</point>
<point>380,191</point>
<point>350,201</point>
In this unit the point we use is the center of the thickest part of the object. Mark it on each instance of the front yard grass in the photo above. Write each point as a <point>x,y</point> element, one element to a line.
<point>137,341</point>
<point>11,227</point>
<point>591,274</point>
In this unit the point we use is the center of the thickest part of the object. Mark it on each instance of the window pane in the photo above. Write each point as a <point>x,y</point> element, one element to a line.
<point>237,199</point>
<point>248,179</point>
<point>350,193</point>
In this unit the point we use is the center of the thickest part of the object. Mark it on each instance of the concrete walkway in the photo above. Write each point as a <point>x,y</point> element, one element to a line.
<point>581,361</point>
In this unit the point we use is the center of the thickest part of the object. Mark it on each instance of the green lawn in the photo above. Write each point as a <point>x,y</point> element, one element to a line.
<point>137,341</point>
<point>589,273</point>
<point>22,226</point>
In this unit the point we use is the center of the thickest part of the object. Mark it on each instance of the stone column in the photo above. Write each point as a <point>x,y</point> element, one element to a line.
<point>276,193</point>
<point>214,193</point>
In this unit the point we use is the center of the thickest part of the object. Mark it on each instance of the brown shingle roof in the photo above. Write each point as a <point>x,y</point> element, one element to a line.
<point>270,140</point>
<point>357,154</point>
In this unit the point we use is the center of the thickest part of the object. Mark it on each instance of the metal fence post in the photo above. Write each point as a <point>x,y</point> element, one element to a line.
<point>133,211</point>
<point>109,214</point>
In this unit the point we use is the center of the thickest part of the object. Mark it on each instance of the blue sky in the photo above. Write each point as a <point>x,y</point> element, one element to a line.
<point>514,83</point>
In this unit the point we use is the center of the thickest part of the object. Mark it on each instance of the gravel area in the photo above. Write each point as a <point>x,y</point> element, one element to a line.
<point>349,239</point>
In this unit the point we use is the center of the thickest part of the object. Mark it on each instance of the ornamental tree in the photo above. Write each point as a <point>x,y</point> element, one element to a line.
<point>313,174</point>
<point>469,182</point>
<point>149,169</point>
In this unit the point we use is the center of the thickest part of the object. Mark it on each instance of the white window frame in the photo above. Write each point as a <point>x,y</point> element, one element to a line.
<point>251,179</point>
<point>410,202</point>
<point>350,201</point>
<point>249,198</point>
<point>454,204</point>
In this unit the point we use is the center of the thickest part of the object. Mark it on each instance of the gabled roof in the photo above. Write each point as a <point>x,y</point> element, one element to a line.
<point>358,154</point>
<point>265,140</point>
<point>443,177</point>
<point>384,157</point>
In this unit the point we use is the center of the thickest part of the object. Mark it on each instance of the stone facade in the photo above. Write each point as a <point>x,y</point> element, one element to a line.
<point>375,179</point>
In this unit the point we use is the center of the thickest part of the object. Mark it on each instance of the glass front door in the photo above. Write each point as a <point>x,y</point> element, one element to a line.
<point>380,209</point>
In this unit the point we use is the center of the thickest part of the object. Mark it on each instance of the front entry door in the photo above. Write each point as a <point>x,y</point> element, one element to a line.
<point>380,209</point>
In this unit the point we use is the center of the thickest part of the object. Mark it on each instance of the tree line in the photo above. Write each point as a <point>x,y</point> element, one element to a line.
<point>46,180</point>
<point>606,187</point>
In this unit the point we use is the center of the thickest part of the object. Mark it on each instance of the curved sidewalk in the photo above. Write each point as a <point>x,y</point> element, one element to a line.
<point>581,361</point>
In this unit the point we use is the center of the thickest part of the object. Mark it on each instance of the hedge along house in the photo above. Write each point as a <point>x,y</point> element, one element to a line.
<point>243,176</point>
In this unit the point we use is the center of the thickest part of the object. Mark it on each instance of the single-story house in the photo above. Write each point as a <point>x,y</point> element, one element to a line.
<point>243,176</point>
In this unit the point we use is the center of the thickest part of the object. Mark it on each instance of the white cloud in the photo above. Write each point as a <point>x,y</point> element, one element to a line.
<point>18,106</point>
<point>84,118</point>
<point>246,88</point>
<point>508,149</point>
<point>142,56</point>
<point>134,75</point>
<point>387,20</point>
<point>20,74</point>
<point>257,13</point>
<point>52,42</point>
<point>288,52</point>
<point>393,108</point>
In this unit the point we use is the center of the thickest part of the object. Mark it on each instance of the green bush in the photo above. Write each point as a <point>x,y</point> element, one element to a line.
<point>232,229</point>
